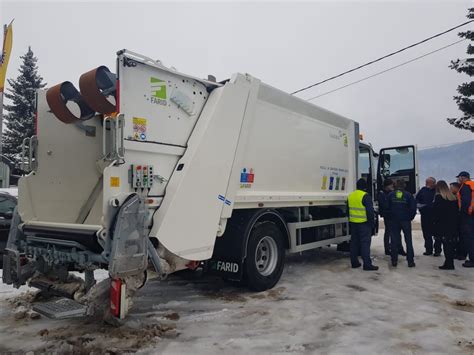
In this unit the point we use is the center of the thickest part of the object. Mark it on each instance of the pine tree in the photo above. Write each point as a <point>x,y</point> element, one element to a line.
<point>464,100</point>
<point>20,120</point>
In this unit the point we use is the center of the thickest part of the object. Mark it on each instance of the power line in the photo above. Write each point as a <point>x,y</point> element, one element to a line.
<point>386,70</point>
<point>381,58</point>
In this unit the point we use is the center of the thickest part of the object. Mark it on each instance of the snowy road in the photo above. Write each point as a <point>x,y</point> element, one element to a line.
<point>320,305</point>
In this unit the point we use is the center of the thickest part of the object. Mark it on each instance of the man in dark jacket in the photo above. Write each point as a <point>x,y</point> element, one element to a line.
<point>382,198</point>
<point>466,210</point>
<point>402,207</point>
<point>425,198</point>
<point>362,220</point>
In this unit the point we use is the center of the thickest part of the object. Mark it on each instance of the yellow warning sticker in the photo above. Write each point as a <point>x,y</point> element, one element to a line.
<point>114,181</point>
<point>139,128</point>
<point>324,182</point>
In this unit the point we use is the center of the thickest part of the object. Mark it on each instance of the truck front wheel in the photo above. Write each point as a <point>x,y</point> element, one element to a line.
<point>265,257</point>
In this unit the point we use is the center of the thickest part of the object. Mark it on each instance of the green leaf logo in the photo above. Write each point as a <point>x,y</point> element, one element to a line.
<point>158,88</point>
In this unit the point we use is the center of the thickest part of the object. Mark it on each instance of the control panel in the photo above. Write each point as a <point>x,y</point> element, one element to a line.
<point>142,176</point>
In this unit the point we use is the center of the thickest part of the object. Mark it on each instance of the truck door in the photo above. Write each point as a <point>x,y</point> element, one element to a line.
<point>398,163</point>
<point>365,167</point>
<point>366,170</point>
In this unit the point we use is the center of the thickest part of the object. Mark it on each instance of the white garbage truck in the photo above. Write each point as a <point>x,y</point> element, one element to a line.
<point>153,169</point>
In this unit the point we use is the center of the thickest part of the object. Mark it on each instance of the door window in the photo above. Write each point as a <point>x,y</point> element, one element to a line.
<point>398,164</point>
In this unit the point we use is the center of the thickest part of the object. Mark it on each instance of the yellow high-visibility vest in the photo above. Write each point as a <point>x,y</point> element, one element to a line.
<point>357,211</point>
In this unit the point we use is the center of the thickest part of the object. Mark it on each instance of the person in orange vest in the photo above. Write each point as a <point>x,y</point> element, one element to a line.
<point>466,209</point>
<point>361,220</point>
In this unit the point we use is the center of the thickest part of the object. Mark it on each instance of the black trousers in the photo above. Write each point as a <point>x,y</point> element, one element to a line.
<point>428,234</point>
<point>386,236</point>
<point>361,237</point>
<point>449,246</point>
<point>397,228</point>
<point>467,231</point>
<point>461,250</point>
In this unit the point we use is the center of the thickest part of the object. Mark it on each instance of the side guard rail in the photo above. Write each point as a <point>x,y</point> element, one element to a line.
<point>113,137</point>
<point>29,149</point>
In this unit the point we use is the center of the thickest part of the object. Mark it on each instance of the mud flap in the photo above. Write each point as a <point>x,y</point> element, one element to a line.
<point>129,254</point>
<point>230,268</point>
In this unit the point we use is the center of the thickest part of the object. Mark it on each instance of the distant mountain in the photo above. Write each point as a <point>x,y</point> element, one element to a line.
<point>444,163</point>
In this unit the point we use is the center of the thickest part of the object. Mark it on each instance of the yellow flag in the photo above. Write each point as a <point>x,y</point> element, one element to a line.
<point>7,48</point>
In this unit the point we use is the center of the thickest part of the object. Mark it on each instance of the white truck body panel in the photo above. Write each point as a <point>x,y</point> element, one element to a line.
<point>67,171</point>
<point>275,142</point>
<point>197,193</point>
<point>244,145</point>
<point>292,146</point>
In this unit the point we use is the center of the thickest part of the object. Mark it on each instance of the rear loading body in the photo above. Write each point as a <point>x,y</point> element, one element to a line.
<point>183,171</point>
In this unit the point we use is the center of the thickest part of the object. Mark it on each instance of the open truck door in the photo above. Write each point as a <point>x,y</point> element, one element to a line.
<point>399,163</point>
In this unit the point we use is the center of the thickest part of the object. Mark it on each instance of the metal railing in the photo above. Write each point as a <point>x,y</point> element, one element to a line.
<point>29,148</point>
<point>112,143</point>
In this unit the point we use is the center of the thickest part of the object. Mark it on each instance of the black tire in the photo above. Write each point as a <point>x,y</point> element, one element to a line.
<point>259,278</point>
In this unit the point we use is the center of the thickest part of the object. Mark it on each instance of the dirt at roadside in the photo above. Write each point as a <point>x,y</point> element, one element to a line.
<point>84,335</point>
<point>94,338</point>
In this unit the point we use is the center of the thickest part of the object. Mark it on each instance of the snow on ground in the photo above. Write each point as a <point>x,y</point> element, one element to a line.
<point>320,305</point>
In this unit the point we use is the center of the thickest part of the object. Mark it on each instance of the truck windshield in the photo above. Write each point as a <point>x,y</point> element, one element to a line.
<point>397,161</point>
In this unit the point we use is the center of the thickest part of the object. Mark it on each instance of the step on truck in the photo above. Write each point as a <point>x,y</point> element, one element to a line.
<point>149,170</point>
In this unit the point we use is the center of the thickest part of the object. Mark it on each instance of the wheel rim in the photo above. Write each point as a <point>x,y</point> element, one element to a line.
<point>266,256</point>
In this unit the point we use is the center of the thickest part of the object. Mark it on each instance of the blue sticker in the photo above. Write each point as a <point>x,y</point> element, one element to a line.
<point>227,202</point>
<point>243,175</point>
<point>143,136</point>
<point>222,198</point>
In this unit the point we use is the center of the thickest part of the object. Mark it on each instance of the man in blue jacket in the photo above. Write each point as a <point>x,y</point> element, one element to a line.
<point>425,199</point>
<point>402,207</point>
<point>382,198</point>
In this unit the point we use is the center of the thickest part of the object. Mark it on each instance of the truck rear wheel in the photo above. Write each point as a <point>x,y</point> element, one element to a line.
<point>265,257</point>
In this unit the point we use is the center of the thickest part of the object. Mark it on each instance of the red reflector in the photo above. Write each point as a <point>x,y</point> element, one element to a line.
<point>115,289</point>
<point>193,264</point>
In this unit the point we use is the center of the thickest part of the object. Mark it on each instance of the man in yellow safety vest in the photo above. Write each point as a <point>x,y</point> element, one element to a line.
<point>362,219</point>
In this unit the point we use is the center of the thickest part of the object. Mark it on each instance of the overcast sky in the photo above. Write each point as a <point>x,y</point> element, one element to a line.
<point>286,44</point>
